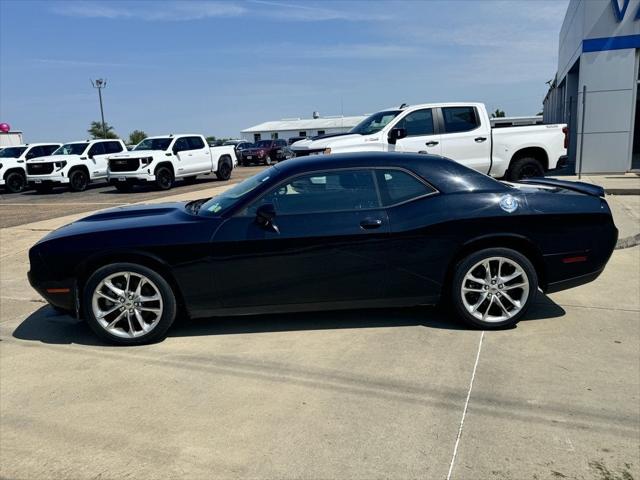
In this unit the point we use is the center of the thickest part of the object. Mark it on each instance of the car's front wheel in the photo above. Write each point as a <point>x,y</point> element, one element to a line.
<point>493,288</point>
<point>15,182</point>
<point>129,304</point>
<point>78,180</point>
<point>164,178</point>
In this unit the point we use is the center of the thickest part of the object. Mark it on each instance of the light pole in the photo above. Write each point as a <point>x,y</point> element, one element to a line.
<point>100,84</point>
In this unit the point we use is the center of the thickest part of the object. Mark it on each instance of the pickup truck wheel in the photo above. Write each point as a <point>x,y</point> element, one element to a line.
<point>164,178</point>
<point>78,181</point>
<point>15,182</point>
<point>224,171</point>
<point>124,187</point>
<point>525,167</point>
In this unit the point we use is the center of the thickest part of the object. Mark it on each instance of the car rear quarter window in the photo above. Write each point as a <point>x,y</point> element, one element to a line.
<point>418,123</point>
<point>460,119</point>
<point>397,186</point>
<point>332,191</point>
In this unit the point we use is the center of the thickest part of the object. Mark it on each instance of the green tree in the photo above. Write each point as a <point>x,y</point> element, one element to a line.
<point>211,140</point>
<point>96,131</point>
<point>136,137</point>
<point>498,113</point>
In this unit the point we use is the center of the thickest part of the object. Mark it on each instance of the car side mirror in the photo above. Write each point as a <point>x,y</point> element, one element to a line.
<point>265,215</point>
<point>175,150</point>
<point>396,134</point>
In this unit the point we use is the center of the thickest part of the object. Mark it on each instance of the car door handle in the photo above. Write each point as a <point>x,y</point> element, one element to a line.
<point>480,139</point>
<point>370,223</point>
<point>431,144</point>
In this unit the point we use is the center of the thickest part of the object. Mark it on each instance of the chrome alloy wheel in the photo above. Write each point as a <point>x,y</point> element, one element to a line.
<point>495,289</point>
<point>127,304</point>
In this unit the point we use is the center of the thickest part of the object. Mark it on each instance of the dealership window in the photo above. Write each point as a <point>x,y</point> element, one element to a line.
<point>256,137</point>
<point>460,119</point>
<point>274,136</point>
<point>302,133</point>
<point>321,132</point>
<point>323,192</point>
<point>418,123</point>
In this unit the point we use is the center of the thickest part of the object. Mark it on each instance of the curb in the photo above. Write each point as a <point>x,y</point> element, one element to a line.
<point>628,242</point>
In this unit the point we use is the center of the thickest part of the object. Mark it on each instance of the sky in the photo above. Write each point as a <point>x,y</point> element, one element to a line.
<point>216,67</point>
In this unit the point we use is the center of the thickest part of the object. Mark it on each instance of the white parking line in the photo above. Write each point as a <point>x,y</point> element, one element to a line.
<point>466,405</point>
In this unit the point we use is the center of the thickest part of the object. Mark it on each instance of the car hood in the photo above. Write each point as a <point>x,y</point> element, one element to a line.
<point>140,225</point>
<point>136,154</point>
<point>53,158</point>
<point>324,142</point>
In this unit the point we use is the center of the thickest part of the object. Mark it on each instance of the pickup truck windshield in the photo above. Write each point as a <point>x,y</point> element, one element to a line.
<point>154,144</point>
<point>12,152</point>
<point>375,122</point>
<point>222,202</point>
<point>71,149</point>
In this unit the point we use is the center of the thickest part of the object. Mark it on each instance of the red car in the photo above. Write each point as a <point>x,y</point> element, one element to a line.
<point>264,152</point>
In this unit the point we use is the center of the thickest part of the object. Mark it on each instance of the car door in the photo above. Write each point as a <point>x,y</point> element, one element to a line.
<point>464,138</point>
<point>422,136</point>
<point>200,160</point>
<point>184,156</point>
<point>329,247</point>
<point>97,160</point>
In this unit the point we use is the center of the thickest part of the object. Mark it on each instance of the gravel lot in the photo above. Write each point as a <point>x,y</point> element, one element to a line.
<point>402,393</point>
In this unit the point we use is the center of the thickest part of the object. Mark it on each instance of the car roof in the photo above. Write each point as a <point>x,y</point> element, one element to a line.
<point>444,174</point>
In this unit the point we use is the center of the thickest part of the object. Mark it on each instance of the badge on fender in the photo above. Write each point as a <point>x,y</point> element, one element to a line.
<point>508,203</point>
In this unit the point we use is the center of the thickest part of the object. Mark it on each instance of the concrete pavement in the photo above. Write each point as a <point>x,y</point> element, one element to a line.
<point>362,394</point>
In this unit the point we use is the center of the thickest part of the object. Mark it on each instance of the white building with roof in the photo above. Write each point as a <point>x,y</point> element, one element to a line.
<point>300,127</point>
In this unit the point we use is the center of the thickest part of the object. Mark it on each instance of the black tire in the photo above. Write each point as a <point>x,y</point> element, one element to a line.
<point>15,182</point>
<point>43,187</point>
<point>224,171</point>
<point>168,304</point>
<point>124,187</point>
<point>467,264</point>
<point>525,167</point>
<point>164,178</point>
<point>78,180</point>
<point>190,180</point>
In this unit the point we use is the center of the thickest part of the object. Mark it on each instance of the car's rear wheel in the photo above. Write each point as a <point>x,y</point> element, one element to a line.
<point>164,178</point>
<point>78,180</point>
<point>124,187</point>
<point>15,182</point>
<point>129,304</point>
<point>493,288</point>
<point>526,167</point>
<point>224,171</point>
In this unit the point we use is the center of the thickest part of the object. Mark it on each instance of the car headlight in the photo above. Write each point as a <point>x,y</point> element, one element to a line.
<point>60,165</point>
<point>146,161</point>
<point>327,151</point>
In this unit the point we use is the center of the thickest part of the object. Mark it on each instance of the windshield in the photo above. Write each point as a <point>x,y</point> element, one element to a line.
<point>375,122</point>
<point>12,152</point>
<point>227,199</point>
<point>71,149</point>
<point>264,144</point>
<point>154,144</point>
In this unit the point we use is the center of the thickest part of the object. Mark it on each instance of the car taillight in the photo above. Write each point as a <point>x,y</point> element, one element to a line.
<point>565,130</point>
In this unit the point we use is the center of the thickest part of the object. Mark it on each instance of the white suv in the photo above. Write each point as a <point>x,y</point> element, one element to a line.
<point>13,175</point>
<point>74,164</point>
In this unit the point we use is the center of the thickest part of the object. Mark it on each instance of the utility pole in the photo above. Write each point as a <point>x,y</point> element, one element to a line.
<point>100,84</point>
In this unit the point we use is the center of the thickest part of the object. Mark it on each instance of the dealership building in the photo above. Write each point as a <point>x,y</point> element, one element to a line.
<point>596,90</point>
<point>300,127</point>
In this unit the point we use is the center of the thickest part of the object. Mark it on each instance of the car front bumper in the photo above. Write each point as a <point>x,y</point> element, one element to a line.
<point>130,177</point>
<point>45,179</point>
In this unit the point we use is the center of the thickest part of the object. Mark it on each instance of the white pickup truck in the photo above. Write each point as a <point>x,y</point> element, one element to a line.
<point>75,164</point>
<point>163,159</point>
<point>13,174</point>
<point>459,131</point>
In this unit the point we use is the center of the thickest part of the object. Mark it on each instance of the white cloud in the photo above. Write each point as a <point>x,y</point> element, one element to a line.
<point>308,13</point>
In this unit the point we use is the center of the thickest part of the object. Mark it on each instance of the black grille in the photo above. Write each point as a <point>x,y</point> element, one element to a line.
<point>124,164</point>
<point>39,168</point>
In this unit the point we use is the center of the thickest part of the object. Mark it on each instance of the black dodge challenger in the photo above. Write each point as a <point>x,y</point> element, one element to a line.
<point>329,232</point>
